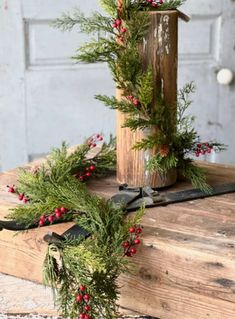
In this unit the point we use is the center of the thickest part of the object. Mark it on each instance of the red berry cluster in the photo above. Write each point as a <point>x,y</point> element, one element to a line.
<point>130,245</point>
<point>92,142</point>
<point>118,25</point>
<point>21,197</point>
<point>133,100</point>
<point>58,213</point>
<point>203,148</point>
<point>83,176</point>
<point>83,298</point>
<point>155,3</point>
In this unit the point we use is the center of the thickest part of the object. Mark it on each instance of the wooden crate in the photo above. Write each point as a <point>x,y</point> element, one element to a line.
<point>185,268</point>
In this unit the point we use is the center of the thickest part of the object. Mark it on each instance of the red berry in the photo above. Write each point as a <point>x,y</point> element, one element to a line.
<point>136,102</point>
<point>209,150</point>
<point>98,135</point>
<point>136,241</point>
<point>87,308</point>
<point>51,218</point>
<point>21,196</point>
<point>87,317</point>
<point>25,200</point>
<point>203,152</point>
<point>41,222</point>
<point>139,230</point>
<point>128,254</point>
<point>126,244</point>
<point>94,145</point>
<point>123,30</point>
<point>82,316</point>
<point>133,251</point>
<point>86,297</point>
<point>81,178</point>
<point>199,145</point>
<point>149,1</point>
<point>58,215</point>
<point>88,174</point>
<point>132,230</point>
<point>57,210</point>
<point>79,298</point>
<point>197,154</point>
<point>63,210</point>
<point>82,288</point>
<point>118,22</point>
<point>92,168</point>
<point>114,25</point>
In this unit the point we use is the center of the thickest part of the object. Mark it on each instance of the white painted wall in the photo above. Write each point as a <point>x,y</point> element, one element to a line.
<point>45,98</point>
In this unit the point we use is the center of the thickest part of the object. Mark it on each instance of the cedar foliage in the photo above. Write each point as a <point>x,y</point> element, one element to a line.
<point>95,262</point>
<point>170,130</point>
<point>46,185</point>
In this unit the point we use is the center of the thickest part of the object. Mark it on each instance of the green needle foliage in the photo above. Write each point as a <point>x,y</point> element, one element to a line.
<point>96,262</point>
<point>40,183</point>
<point>170,132</point>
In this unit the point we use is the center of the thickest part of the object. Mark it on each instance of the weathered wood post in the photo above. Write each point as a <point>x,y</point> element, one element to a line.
<point>159,49</point>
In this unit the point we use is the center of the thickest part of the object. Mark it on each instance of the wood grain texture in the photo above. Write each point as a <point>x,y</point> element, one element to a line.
<point>160,50</point>
<point>120,8</point>
<point>185,268</point>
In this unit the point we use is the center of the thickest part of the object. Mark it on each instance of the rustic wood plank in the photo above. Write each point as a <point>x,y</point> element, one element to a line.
<point>185,268</point>
<point>180,279</point>
<point>160,51</point>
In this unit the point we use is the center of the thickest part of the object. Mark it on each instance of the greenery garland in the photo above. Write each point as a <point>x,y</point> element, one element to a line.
<point>117,39</point>
<point>82,273</point>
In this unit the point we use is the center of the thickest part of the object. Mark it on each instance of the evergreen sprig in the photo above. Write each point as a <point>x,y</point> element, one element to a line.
<point>96,262</point>
<point>41,183</point>
<point>167,128</point>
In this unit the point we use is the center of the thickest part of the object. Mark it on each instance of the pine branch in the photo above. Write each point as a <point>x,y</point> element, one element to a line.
<point>145,89</point>
<point>96,262</point>
<point>162,164</point>
<point>195,174</point>
<point>137,26</point>
<point>110,6</point>
<point>114,104</point>
<point>90,25</point>
<point>102,50</point>
<point>128,65</point>
<point>136,123</point>
<point>149,142</point>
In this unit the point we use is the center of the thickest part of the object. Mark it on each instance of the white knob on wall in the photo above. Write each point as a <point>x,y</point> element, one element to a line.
<point>225,77</point>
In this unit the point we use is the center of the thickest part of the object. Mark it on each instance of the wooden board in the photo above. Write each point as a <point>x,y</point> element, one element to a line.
<point>185,268</point>
<point>160,51</point>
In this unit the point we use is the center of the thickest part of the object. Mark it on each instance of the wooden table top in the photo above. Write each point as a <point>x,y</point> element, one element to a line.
<point>185,268</point>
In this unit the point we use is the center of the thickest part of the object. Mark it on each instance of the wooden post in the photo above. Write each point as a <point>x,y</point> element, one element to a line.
<point>159,49</point>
